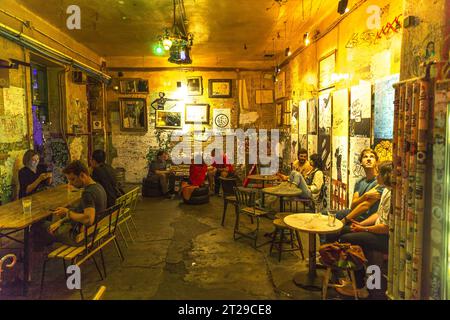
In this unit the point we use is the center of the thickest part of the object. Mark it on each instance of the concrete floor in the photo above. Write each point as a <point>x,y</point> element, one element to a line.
<point>182,252</point>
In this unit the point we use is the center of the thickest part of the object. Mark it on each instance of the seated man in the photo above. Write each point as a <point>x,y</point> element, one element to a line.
<point>159,168</point>
<point>220,167</point>
<point>367,193</point>
<point>93,201</point>
<point>105,175</point>
<point>372,234</point>
<point>302,164</point>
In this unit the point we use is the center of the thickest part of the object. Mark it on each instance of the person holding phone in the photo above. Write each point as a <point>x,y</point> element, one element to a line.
<point>32,178</point>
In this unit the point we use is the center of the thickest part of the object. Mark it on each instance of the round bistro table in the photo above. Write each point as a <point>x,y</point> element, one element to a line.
<point>263,178</point>
<point>312,224</point>
<point>285,193</point>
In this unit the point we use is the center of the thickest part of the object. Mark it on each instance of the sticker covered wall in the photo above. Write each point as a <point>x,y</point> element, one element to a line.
<point>360,110</point>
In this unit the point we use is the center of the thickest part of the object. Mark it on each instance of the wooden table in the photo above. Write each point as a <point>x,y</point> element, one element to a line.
<point>12,218</point>
<point>286,193</point>
<point>312,224</point>
<point>263,178</point>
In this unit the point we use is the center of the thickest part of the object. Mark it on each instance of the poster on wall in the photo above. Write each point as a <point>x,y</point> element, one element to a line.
<point>294,147</point>
<point>294,118</point>
<point>303,141</point>
<point>221,119</point>
<point>384,107</point>
<point>324,139</point>
<point>13,120</point>
<point>303,117</point>
<point>325,101</point>
<point>340,113</point>
<point>280,86</point>
<point>312,144</point>
<point>383,148</point>
<point>327,66</point>
<point>357,144</point>
<point>340,159</point>
<point>312,116</point>
<point>360,110</point>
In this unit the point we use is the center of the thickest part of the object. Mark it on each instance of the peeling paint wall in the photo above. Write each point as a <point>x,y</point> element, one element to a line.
<point>131,148</point>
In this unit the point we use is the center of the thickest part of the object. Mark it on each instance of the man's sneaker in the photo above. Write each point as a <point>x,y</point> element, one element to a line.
<point>363,293</point>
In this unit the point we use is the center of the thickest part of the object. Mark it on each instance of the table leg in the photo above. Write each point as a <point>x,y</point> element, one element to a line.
<point>309,280</point>
<point>26,260</point>
<point>281,204</point>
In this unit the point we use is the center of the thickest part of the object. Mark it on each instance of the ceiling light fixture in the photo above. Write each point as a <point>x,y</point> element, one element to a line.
<point>287,52</point>
<point>342,6</point>
<point>177,40</point>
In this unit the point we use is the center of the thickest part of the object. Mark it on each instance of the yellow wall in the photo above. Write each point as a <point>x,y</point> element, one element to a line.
<point>362,60</point>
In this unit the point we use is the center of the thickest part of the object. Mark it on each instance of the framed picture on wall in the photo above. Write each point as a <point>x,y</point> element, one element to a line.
<point>195,86</point>
<point>197,113</point>
<point>168,119</point>
<point>327,66</point>
<point>264,96</point>
<point>127,86</point>
<point>133,115</point>
<point>220,88</point>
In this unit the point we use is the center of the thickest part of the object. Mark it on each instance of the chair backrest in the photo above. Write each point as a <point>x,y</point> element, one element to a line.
<point>106,220</point>
<point>245,197</point>
<point>100,293</point>
<point>228,185</point>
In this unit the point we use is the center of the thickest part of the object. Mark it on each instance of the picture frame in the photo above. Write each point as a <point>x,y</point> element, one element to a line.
<point>220,88</point>
<point>327,66</point>
<point>133,86</point>
<point>196,113</point>
<point>133,114</point>
<point>264,96</point>
<point>168,119</point>
<point>194,86</point>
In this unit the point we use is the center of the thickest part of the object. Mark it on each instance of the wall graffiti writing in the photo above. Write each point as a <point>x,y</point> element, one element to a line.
<point>370,37</point>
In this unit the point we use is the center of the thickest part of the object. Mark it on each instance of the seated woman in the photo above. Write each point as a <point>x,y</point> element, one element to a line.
<point>197,175</point>
<point>310,186</point>
<point>371,234</point>
<point>32,178</point>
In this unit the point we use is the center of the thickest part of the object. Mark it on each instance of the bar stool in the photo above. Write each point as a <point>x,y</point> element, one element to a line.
<point>278,239</point>
<point>326,281</point>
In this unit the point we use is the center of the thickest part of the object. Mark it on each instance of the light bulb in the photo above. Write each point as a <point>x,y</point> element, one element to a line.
<point>167,43</point>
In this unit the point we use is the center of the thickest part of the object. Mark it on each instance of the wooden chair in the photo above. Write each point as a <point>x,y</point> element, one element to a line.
<point>326,280</point>
<point>246,205</point>
<point>228,185</point>
<point>95,238</point>
<point>282,235</point>
<point>100,293</point>
<point>128,202</point>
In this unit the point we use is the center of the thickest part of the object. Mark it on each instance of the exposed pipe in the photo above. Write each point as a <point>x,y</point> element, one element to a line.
<point>51,53</point>
<point>28,25</point>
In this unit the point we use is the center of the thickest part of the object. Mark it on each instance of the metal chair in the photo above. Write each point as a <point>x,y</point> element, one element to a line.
<point>228,185</point>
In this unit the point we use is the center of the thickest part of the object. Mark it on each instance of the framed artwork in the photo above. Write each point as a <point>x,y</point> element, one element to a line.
<point>133,115</point>
<point>280,86</point>
<point>264,96</point>
<point>168,119</point>
<point>133,86</point>
<point>195,86</point>
<point>197,113</point>
<point>327,66</point>
<point>220,88</point>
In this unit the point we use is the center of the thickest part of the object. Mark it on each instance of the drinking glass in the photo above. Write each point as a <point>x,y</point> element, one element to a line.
<point>331,218</point>
<point>26,205</point>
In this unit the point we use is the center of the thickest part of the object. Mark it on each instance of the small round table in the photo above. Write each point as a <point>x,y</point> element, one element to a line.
<point>312,224</point>
<point>285,193</point>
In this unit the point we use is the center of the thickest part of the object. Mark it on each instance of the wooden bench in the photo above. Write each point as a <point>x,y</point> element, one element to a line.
<point>95,238</point>
<point>128,202</point>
